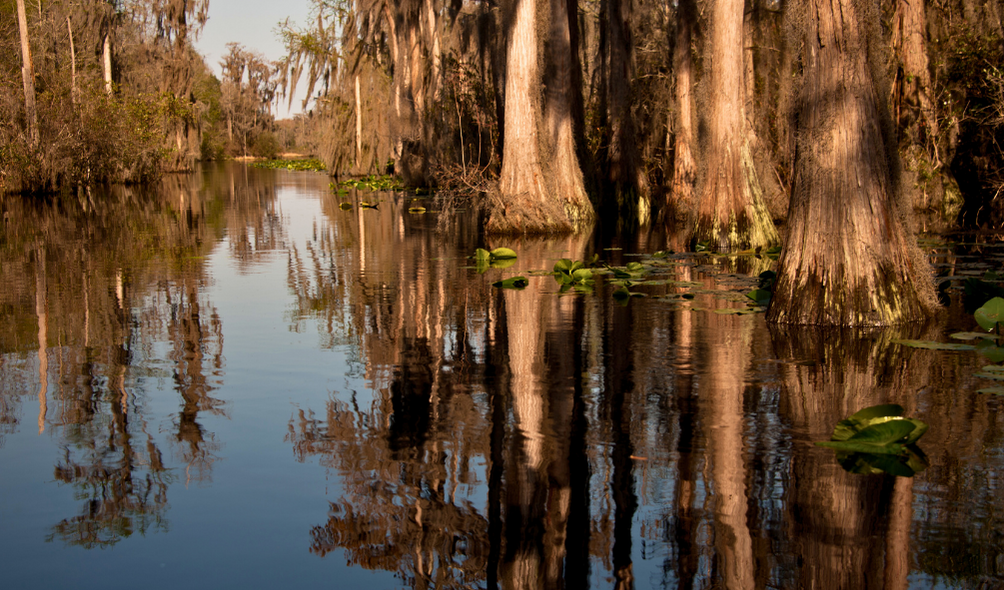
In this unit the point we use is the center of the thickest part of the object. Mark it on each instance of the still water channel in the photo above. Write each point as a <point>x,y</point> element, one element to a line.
<point>241,379</point>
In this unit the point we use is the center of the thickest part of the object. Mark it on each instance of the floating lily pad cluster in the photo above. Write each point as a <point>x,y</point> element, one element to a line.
<point>573,275</point>
<point>879,439</point>
<point>302,165</point>
<point>990,343</point>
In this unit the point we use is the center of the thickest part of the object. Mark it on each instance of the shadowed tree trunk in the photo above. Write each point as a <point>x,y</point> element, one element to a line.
<point>27,76</point>
<point>731,212</point>
<point>626,182</point>
<point>849,259</point>
<point>684,167</point>
<point>523,203</point>
<point>566,177</point>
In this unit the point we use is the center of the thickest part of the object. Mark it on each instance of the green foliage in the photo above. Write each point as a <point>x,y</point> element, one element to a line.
<point>573,275</point>
<point>878,439</point>
<point>497,258</point>
<point>303,165</point>
<point>373,183</point>
<point>516,283</point>
<point>991,315</point>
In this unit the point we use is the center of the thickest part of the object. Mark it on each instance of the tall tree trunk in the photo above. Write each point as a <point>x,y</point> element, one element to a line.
<point>849,259</point>
<point>914,109</point>
<point>684,167</point>
<point>42,312</point>
<point>359,128</point>
<point>73,63</point>
<point>565,175</point>
<point>626,178</point>
<point>523,204</point>
<point>28,77</point>
<point>106,60</point>
<point>731,213</point>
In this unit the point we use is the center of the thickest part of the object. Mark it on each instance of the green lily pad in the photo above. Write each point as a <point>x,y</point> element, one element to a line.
<point>972,336</point>
<point>503,254</point>
<point>760,296</point>
<point>878,439</point>
<point>517,283</point>
<point>932,345</point>
<point>990,314</point>
<point>989,349</point>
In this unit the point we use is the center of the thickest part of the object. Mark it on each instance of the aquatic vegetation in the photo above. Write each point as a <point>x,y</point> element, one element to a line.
<point>878,439</point>
<point>497,258</point>
<point>518,283</point>
<point>990,344</point>
<point>302,165</point>
<point>573,275</point>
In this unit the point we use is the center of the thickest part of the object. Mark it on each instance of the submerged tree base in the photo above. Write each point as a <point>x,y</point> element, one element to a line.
<point>525,214</point>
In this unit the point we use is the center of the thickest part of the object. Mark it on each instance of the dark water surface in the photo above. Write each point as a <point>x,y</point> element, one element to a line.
<point>235,382</point>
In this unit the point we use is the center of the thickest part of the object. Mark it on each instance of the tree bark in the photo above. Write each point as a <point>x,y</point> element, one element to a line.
<point>359,128</point>
<point>566,175</point>
<point>914,109</point>
<point>731,212</point>
<point>626,179</point>
<point>523,205</point>
<point>28,77</point>
<point>106,60</point>
<point>73,63</point>
<point>849,259</point>
<point>684,166</point>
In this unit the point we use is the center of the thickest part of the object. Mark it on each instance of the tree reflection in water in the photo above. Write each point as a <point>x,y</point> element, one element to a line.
<point>113,277</point>
<point>522,439</point>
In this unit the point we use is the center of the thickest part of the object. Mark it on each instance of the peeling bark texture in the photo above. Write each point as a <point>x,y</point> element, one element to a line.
<point>849,257</point>
<point>731,212</point>
<point>684,166</point>
<point>522,204</point>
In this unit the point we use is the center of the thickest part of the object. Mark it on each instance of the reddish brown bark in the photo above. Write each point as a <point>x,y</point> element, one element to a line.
<point>849,259</point>
<point>731,212</point>
<point>684,166</point>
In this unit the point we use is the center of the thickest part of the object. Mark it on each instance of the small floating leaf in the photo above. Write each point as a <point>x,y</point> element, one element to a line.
<point>512,283</point>
<point>345,206</point>
<point>365,205</point>
<point>972,336</point>
<point>416,210</point>
<point>503,254</point>
<point>760,296</point>
<point>932,345</point>
<point>989,349</point>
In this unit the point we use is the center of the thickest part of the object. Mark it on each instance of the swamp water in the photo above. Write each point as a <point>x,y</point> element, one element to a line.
<point>244,380</point>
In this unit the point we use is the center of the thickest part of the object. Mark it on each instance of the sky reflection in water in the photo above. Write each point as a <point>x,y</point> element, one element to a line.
<point>234,381</point>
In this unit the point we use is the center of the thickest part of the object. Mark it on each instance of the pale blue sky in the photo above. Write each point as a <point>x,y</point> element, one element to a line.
<point>251,23</point>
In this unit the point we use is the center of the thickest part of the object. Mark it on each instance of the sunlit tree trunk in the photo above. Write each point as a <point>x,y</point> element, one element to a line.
<point>684,167</point>
<point>27,76</point>
<point>566,177</point>
<point>359,127</point>
<point>731,214</point>
<point>849,258</point>
<point>106,60</point>
<point>73,63</point>
<point>41,311</point>
<point>523,204</point>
